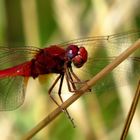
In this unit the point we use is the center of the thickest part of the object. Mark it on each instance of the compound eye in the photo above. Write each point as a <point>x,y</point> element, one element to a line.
<point>72,51</point>
<point>83,53</point>
<point>80,58</point>
<point>78,61</point>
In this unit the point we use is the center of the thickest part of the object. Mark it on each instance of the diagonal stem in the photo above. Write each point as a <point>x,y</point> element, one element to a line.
<point>85,87</point>
<point>131,113</point>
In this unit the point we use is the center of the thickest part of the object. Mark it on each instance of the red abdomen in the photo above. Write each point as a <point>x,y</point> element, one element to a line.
<point>19,70</point>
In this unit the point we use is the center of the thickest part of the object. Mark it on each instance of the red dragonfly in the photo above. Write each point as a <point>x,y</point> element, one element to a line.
<point>19,63</point>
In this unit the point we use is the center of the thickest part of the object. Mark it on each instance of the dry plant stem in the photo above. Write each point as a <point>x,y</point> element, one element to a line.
<point>85,87</point>
<point>131,113</point>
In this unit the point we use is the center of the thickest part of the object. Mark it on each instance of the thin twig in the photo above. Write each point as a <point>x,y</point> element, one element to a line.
<point>131,113</point>
<point>85,87</point>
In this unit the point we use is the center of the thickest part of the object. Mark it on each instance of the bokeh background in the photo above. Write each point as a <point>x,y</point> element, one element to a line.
<point>43,22</point>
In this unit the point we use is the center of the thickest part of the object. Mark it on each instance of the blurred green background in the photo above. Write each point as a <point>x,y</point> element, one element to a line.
<point>40,23</point>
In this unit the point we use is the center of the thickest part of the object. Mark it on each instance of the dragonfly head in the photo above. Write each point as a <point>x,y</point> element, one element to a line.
<point>77,55</point>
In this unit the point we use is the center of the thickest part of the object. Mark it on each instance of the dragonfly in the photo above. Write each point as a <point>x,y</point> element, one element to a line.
<point>70,60</point>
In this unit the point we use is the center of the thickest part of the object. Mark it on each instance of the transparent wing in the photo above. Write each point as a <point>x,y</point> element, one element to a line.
<point>12,92</point>
<point>12,89</point>
<point>130,68</point>
<point>10,56</point>
<point>101,51</point>
<point>120,38</point>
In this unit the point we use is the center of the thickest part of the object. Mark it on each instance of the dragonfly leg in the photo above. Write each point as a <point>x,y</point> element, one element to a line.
<point>131,113</point>
<point>69,75</point>
<point>61,76</point>
<point>59,93</point>
<point>78,80</point>
<point>70,81</point>
<point>51,88</point>
<point>74,75</point>
<point>60,87</point>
